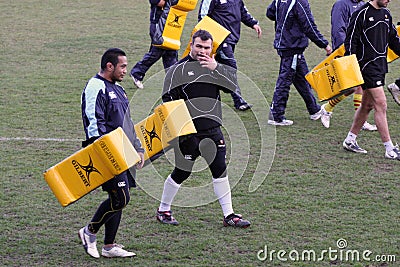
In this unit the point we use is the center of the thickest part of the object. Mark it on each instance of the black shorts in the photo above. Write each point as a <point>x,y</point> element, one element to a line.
<point>124,179</point>
<point>373,81</point>
<point>195,145</point>
<point>209,144</point>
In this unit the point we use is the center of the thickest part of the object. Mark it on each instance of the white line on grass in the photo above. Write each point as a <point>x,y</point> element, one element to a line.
<point>38,139</point>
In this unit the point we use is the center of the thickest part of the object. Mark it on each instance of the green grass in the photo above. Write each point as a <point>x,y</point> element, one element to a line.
<point>314,194</point>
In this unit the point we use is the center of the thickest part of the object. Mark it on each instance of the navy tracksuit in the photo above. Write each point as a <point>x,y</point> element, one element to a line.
<point>169,57</point>
<point>340,16</point>
<point>230,14</point>
<point>294,25</point>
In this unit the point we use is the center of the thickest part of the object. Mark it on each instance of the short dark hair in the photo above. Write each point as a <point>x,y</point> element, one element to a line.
<point>111,55</point>
<point>203,34</point>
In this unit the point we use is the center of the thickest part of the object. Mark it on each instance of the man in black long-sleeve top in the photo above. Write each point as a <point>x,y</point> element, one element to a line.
<point>198,79</point>
<point>370,33</point>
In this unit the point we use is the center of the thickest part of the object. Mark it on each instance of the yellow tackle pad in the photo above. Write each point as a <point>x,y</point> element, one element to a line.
<point>339,52</point>
<point>169,120</point>
<point>391,56</point>
<point>330,81</point>
<point>217,31</point>
<point>174,24</point>
<point>336,77</point>
<point>91,166</point>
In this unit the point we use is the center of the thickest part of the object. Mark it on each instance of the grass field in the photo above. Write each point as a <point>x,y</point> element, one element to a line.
<point>315,193</point>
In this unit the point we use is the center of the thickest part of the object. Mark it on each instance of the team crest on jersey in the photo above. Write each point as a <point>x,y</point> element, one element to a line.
<point>221,143</point>
<point>112,95</point>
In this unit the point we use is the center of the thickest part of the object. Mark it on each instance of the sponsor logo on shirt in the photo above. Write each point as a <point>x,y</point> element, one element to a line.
<point>112,95</point>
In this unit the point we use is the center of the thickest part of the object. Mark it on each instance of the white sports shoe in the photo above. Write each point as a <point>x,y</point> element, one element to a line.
<point>369,127</point>
<point>89,243</point>
<point>353,147</point>
<point>394,154</point>
<point>117,251</point>
<point>316,115</point>
<point>284,122</point>
<point>395,91</point>
<point>325,116</point>
<point>137,83</point>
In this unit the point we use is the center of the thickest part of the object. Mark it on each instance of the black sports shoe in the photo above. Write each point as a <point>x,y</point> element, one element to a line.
<point>236,220</point>
<point>166,217</point>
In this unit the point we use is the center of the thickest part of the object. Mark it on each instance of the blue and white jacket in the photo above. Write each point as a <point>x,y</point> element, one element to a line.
<point>294,25</point>
<point>228,13</point>
<point>340,16</point>
<point>105,107</point>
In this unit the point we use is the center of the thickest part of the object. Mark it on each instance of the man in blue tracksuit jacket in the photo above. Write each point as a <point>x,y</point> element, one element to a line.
<point>169,57</point>
<point>294,25</point>
<point>105,107</point>
<point>340,16</point>
<point>230,14</point>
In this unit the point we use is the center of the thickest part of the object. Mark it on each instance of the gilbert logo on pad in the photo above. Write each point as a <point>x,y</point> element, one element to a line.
<point>91,166</point>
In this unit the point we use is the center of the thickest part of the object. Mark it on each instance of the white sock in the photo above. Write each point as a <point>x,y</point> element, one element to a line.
<point>169,192</point>
<point>222,190</point>
<point>388,145</point>
<point>351,137</point>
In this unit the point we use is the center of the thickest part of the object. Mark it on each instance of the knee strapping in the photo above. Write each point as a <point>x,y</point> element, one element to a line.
<point>119,199</point>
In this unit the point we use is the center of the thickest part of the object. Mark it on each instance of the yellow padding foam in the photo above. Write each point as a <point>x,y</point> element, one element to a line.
<point>113,153</point>
<point>217,31</point>
<point>391,56</point>
<point>186,5</point>
<point>91,166</point>
<point>339,52</point>
<point>169,120</point>
<point>174,24</point>
<point>333,79</point>
<point>332,76</point>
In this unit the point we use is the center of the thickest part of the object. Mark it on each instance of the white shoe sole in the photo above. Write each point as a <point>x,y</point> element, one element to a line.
<point>283,123</point>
